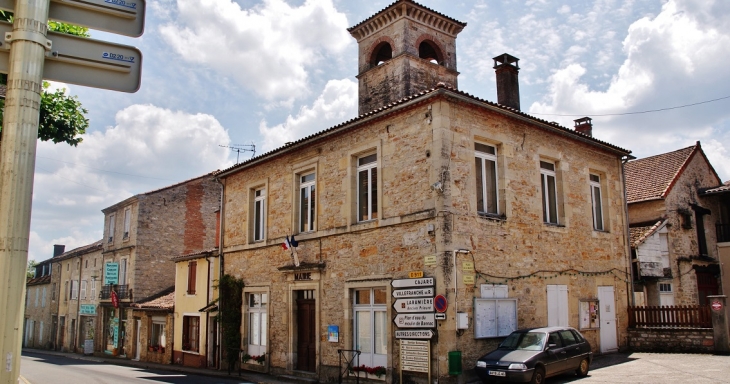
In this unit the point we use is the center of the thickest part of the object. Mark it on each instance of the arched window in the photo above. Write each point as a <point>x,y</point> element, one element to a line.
<point>428,50</point>
<point>382,53</point>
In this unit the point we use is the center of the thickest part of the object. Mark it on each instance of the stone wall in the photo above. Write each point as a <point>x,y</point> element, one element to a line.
<point>699,340</point>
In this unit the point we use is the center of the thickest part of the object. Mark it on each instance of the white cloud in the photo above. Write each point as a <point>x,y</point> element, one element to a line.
<point>148,148</point>
<point>269,48</point>
<point>336,104</point>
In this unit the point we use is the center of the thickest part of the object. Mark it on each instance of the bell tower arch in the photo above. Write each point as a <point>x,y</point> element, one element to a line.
<point>404,49</point>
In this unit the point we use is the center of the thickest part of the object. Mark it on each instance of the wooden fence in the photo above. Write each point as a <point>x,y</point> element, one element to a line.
<point>680,316</point>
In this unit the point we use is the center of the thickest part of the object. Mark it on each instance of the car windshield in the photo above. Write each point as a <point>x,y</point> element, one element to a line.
<point>529,341</point>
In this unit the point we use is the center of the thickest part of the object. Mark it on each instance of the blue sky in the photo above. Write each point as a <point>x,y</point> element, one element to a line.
<point>222,72</point>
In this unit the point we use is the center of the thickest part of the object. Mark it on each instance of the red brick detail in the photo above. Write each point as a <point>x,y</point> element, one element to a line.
<point>194,225</point>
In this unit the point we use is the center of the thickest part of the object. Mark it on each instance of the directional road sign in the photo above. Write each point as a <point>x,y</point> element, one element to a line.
<point>125,17</point>
<point>414,292</point>
<point>424,334</point>
<point>82,61</point>
<point>405,283</point>
<point>415,320</point>
<point>423,304</point>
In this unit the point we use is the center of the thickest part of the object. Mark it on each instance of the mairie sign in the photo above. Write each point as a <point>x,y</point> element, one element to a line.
<point>422,304</point>
<point>415,320</point>
<point>405,283</point>
<point>414,292</point>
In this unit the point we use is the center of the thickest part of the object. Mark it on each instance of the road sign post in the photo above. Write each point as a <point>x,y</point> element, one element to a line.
<point>24,64</point>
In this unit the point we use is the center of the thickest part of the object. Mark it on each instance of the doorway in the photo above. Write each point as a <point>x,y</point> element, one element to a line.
<point>607,303</point>
<point>306,331</point>
<point>138,341</point>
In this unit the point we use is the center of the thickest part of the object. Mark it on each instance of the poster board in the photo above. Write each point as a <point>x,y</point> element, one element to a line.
<point>494,317</point>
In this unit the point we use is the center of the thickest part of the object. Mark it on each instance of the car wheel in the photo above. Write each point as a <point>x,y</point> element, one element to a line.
<point>539,376</point>
<point>582,370</point>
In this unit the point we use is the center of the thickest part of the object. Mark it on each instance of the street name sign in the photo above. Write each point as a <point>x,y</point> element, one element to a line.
<point>416,292</point>
<point>423,304</point>
<point>415,355</point>
<point>82,61</point>
<point>424,334</point>
<point>416,320</point>
<point>406,283</point>
<point>125,17</point>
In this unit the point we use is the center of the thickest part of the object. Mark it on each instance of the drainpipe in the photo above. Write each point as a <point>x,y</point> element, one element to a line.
<point>78,305</point>
<point>456,291</point>
<point>624,160</point>
<point>207,315</point>
<point>221,227</point>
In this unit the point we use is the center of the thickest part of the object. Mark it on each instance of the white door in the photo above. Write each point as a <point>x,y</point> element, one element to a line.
<point>557,301</point>
<point>607,303</point>
<point>139,342</point>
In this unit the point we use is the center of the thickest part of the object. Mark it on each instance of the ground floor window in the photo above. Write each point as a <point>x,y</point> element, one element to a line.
<point>157,333</point>
<point>256,304</point>
<point>370,323</point>
<point>191,332</point>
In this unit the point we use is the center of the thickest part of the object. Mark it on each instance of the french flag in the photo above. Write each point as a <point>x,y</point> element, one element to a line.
<point>289,244</point>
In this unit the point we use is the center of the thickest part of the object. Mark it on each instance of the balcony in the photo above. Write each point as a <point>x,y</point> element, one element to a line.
<point>723,232</point>
<point>121,290</point>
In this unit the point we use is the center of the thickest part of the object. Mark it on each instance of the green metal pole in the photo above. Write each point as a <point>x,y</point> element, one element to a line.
<point>17,165</point>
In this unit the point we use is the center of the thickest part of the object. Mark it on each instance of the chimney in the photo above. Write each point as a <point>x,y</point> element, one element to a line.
<point>584,126</point>
<point>508,86</point>
<point>58,249</point>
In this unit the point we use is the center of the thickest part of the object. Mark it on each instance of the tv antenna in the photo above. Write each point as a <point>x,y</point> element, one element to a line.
<point>238,148</point>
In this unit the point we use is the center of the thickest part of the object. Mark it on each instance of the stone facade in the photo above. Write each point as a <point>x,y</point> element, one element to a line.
<point>37,326</point>
<point>672,340</point>
<point>174,220</point>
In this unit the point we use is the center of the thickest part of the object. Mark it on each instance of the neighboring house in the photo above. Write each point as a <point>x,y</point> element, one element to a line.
<point>516,221</point>
<point>37,332</point>
<point>153,323</point>
<point>141,233</point>
<point>196,293</point>
<point>678,209</point>
<point>79,280</point>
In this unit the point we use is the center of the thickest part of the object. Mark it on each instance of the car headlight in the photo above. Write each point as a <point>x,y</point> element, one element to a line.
<point>481,364</point>
<point>517,366</point>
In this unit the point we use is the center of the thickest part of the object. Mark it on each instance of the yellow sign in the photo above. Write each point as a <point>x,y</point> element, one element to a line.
<point>415,274</point>
<point>430,260</point>
<point>467,266</point>
<point>468,279</point>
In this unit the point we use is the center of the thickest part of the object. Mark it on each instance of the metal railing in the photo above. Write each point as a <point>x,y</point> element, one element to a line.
<point>680,316</point>
<point>121,290</point>
<point>348,355</point>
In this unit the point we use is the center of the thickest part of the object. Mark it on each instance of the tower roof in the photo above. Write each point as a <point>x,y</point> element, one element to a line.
<point>410,9</point>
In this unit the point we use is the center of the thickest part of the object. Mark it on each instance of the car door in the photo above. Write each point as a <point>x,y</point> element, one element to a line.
<point>555,355</point>
<point>573,353</point>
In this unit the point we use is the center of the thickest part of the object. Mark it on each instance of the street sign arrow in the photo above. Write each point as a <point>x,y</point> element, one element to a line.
<point>414,334</point>
<point>415,320</point>
<point>125,17</point>
<point>82,61</point>
<point>413,292</point>
<point>423,304</point>
<point>405,283</point>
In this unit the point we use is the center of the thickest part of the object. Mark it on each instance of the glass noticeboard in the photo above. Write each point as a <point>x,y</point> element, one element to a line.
<point>589,318</point>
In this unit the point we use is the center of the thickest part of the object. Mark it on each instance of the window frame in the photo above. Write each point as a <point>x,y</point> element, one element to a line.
<point>480,173</point>
<point>599,216</point>
<point>376,353</point>
<point>258,214</point>
<point>157,339</point>
<point>74,290</point>
<point>188,345</point>
<point>310,186</point>
<point>257,322</point>
<point>111,228</point>
<point>127,222</point>
<point>545,175</point>
<point>83,290</point>
<point>192,276</point>
<point>372,186</point>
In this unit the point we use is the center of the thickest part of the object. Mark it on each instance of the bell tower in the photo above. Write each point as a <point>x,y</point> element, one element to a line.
<point>404,49</point>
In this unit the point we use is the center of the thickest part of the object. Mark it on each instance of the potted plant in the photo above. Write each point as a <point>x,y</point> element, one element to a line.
<point>260,359</point>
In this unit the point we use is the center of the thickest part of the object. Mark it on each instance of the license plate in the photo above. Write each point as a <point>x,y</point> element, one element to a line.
<point>497,373</point>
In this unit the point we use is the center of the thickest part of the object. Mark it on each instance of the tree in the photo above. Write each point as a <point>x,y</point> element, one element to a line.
<point>62,117</point>
<point>30,272</point>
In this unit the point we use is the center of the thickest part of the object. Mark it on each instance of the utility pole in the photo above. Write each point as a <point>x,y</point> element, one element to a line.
<point>17,166</point>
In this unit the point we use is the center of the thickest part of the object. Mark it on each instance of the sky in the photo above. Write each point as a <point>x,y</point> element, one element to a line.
<point>222,73</point>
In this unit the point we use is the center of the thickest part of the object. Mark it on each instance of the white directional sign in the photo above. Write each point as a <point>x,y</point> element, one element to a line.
<point>125,17</point>
<point>405,283</point>
<point>423,304</point>
<point>415,320</point>
<point>417,292</point>
<point>88,62</point>
<point>425,334</point>
<point>415,355</point>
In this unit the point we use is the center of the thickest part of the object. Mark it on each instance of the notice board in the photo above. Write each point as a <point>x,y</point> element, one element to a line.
<point>494,317</point>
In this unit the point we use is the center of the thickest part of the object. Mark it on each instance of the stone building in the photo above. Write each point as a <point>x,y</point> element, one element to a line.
<point>79,283</point>
<point>153,322</point>
<point>678,214</point>
<point>503,220</point>
<point>196,291</point>
<point>37,332</point>
<point>141,233</point>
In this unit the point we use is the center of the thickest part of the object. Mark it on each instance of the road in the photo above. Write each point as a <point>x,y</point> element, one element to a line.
<point>42,369</point>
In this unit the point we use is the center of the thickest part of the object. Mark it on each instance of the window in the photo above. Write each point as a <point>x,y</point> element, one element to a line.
<point>597,202</point>
<point>306,203</point>
<point>557,303</point>
<point>370,317</point>
<point>43,298</point>
<point>549,193</point>
<point>53,292</point>
<point>486,173</point>
<point>666,294</point>
<point>122,272</point>
<point>257,323</point>
<point>37,296</point>
<point>367,188</point>
<point>27,298</point>
<point>83,289</point>
<point>192,269</point>
<point>259,218</point>
<point>93,289</point>
<point>111,229</point>
<point>157,335</point>
<point>74,290</point>
<point>40,332</point>
<point>127,222</point>
<point>65,291</point>
<point>568,337</point>
<point>191,330</point>
<point>87,264</point>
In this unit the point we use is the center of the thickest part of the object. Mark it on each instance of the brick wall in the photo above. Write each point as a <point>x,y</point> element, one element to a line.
<point>672,340</point>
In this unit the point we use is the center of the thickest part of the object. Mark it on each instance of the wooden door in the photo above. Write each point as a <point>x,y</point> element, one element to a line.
<point>706,286</point>
<point>306,335</point>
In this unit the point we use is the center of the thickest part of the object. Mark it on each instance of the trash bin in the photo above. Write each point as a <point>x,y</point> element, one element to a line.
<point>455,363</point>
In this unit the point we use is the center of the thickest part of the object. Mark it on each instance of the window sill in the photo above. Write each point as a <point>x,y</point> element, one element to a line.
<point>553,225</point>
<point>492,216</point>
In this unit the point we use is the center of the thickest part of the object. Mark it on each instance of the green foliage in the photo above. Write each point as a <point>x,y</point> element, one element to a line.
<point>69,29</point>
<point>30,272</point>
<point>229,315</point>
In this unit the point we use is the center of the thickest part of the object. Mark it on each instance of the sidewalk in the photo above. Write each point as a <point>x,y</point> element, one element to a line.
<point>252,377</point>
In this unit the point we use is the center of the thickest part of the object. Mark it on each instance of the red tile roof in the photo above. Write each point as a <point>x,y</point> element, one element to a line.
<point>462,24</point>
<point>39,280</point>
<point>652,177</point>
<point>724,188</point>
<point>163,300</point>
<point>639,234</point>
